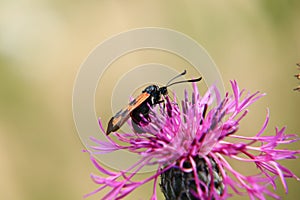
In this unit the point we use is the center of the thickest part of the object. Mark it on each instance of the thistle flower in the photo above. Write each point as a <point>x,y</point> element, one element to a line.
<point>190,148</point>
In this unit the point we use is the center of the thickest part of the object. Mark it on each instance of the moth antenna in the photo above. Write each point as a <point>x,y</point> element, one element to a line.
<point>185,81</point>
<point>181,74</point>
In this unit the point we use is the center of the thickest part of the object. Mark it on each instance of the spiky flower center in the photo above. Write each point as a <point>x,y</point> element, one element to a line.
<point>176,184</point>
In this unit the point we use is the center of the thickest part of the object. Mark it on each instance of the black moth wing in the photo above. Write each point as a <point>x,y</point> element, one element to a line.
<point>123,115</point>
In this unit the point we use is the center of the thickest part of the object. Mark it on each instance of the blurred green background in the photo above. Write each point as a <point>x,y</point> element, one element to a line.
<point>43,43</point>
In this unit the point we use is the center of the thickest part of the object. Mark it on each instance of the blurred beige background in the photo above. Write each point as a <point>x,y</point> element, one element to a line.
<point>43,43</point>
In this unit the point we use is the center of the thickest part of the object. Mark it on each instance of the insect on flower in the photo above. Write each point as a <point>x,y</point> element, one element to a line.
<point>190,150</point>
<point>138,109</point>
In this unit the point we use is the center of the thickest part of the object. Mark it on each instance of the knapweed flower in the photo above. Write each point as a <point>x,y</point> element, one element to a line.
<point>190,148</point>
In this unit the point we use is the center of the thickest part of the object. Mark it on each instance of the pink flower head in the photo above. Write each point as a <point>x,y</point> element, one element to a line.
<point>190,148</point>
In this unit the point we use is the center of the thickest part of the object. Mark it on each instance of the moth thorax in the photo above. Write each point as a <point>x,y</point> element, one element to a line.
<point>151,89</point>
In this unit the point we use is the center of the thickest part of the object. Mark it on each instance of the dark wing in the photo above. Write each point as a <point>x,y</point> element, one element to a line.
<point>122,116</point>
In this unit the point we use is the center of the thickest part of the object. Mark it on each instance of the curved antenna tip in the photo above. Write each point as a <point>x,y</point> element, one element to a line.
<point>181,74</point>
